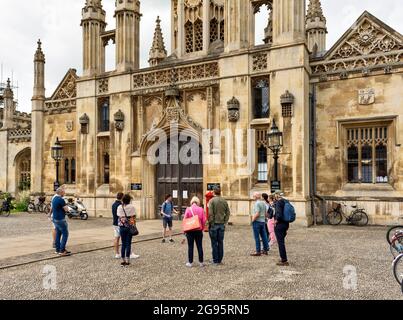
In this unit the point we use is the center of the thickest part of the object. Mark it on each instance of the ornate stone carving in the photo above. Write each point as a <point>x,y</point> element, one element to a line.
<point>103,86</point>
<point>184,74</point>
<point>67,89</point>
<point>119,118</point>
<point>366,96</point>
<point>233,107</point>
<point>190,95</point>
<point>19,135</point>
<point>259,61</point>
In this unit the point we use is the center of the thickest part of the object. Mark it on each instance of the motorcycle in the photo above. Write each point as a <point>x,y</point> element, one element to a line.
<point>76,209</point>
<point>6,207</point>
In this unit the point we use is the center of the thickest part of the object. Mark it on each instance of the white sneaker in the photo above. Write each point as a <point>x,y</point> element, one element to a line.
<point>117,256</point>
<point>134,256</point>
<point>189,265</point>
<point>202,264</point>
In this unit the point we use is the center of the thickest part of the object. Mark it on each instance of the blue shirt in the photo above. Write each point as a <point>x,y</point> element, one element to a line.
<point>58,204</point>
<point>115,207</point>
<point>168,208</point>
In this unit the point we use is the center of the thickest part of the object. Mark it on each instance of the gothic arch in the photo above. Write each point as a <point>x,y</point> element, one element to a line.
<point>22,164</point>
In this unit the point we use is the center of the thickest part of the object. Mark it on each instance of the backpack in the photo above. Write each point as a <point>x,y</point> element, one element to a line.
<point>289,212</point>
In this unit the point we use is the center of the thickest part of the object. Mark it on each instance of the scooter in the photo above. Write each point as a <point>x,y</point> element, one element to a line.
<point>77,209</point>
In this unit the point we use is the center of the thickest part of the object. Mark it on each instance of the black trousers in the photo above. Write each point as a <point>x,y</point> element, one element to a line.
<point>192,237</point>
<point>280,230</point>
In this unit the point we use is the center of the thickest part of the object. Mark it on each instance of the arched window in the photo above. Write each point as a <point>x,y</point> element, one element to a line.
<point>104,116</point>
<point>262,170</point>
<point>263,17</point>
<point>261,98</point>
<point>352,164</point>
<point>213,30</point>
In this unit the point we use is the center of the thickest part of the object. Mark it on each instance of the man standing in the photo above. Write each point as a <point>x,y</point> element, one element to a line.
<point>219,214</point>
<point>116,228</point>
<point>167,211</point>
<point>281,228</point>
<point>259,225</point>
<point>59,209</point>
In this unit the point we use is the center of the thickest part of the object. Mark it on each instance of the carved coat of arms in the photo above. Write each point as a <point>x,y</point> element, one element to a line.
<point>69,125</point>
<point>366,96</point>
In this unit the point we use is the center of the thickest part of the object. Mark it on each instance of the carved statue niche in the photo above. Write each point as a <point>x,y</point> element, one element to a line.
<point>119,118</point>
<point>233,107</point>
<point>84,123</point>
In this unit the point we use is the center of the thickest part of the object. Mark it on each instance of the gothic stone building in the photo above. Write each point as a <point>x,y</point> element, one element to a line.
<point>339,109</point>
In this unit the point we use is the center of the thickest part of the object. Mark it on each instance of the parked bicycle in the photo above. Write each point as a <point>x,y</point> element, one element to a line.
<point>357,216</point>
<point>398,269</point>
<point>391,233</point>
<point>41,206</point>
<point>6,207</point>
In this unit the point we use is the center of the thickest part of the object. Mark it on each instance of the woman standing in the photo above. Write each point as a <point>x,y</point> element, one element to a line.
<point>270,219</point>
<point>127,217</point>
<point>196,235</point>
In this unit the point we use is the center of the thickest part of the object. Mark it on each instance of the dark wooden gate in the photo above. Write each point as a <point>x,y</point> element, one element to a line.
<point>183,181</point>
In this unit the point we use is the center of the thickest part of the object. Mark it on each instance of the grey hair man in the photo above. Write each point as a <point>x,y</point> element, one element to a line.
<point>258,218</point>
<point>59,209</point>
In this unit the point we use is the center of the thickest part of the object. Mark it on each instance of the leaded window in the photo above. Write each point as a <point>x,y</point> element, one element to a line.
<point>261,99</point>
<point>367,155</point>
<point>262,170</point>
<point>104,118</point>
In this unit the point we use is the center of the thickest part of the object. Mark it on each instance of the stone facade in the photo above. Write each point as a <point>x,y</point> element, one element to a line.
<point>217,79</point>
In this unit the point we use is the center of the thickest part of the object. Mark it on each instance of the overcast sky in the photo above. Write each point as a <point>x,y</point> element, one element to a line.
<point>57,23</point>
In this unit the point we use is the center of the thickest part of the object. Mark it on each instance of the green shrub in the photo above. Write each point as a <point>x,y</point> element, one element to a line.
<point>22,202</point>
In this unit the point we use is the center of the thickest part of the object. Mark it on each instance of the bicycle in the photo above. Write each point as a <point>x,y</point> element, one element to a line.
<point>41,206</point>
<point>391,232</point>
<point>398,269</point>
<point>357,216</point>
<point>6,207</point>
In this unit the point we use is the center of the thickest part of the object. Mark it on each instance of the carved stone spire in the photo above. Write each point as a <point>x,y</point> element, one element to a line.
<point>158,51</point>
<point>315,11</point>
<point>316,29</point>
<point>39,55</point>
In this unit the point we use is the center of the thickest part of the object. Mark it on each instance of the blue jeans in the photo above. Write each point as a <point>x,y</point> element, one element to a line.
<point>127,238</point>
<point>217,242</point>
<point>259,231</point>
<point>62,235</point>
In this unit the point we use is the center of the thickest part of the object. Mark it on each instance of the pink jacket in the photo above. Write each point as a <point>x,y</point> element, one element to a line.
<point>197,211</point>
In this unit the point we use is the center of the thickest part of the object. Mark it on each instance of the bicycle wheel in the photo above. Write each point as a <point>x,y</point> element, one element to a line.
<point>398,269</point>
<point>391,232</point>
<point>359,218</point>
<point>46,209</point>
<point>334,218</point>
<point>31,208</point>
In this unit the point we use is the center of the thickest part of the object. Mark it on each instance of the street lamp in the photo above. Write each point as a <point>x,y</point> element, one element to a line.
<point>275,143</point>
<point>57,155</point>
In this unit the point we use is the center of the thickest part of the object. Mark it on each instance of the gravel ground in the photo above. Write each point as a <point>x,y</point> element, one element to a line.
<point>318,257</point>
<point>38,223</point>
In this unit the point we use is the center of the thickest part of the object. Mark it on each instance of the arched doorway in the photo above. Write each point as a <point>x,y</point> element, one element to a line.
<point>182,179</point>
<point>23,170</point>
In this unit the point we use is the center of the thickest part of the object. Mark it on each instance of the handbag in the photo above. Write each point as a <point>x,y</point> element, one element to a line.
<point>132,228</point>
<point>191,224</point>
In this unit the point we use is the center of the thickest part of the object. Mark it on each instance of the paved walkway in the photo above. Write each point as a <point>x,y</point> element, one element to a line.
<point>84,237</point>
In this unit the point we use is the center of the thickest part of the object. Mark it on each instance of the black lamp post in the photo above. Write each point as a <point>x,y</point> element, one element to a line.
<point>275,143</point>
<point>57,155</point>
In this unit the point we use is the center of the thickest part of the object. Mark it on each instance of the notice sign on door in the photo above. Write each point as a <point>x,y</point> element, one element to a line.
<point>175,194</point>
<point>185,195</point>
